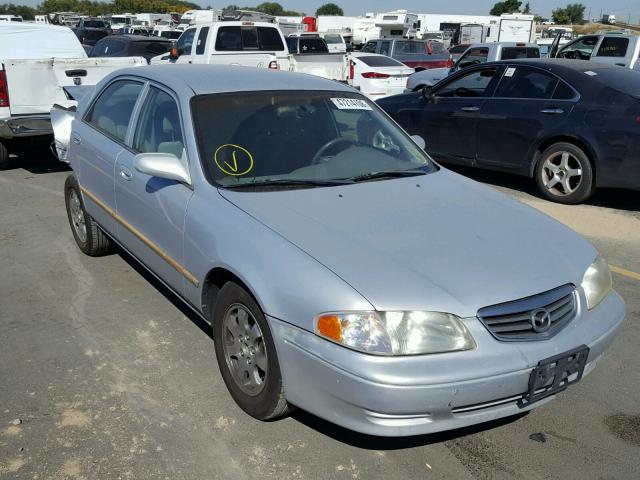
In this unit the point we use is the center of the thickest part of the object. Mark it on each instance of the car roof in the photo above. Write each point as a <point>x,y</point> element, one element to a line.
<point>139,38</point>
<point>558,64</point>
<point>505,44</point>
<point>205,79</point>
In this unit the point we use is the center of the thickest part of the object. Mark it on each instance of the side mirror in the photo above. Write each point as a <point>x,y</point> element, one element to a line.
<point>427,91</point>
<point>419,141</point>
<point>162,165</point>
<point>173,52</point>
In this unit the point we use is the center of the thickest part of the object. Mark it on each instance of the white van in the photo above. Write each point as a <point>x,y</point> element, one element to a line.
<point>10,18</point>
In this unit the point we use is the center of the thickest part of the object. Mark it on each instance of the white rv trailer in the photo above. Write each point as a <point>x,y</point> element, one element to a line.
<point>397,24</point>
<point>365,29</point>
<point>451,26</point>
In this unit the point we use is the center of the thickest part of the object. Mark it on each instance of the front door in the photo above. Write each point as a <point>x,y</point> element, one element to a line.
<point>152,210</point>
<point>449,119</point>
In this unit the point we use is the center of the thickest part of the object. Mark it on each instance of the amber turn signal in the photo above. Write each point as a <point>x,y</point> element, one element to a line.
<point>329,326</point>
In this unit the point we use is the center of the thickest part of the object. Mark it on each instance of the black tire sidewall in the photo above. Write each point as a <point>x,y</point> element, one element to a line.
<point>586,188</point>
<point>262,405</point>
<point>4,157</point>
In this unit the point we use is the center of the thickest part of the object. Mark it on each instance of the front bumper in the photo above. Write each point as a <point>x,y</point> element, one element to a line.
<point>422,394</point>
<point>25,126</point>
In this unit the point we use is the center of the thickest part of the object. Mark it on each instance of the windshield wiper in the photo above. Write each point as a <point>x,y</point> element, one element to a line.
<point>387,174</point>
<point>285,182</point>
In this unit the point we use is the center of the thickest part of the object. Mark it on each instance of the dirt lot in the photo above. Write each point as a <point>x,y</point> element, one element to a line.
<point>104,375</point>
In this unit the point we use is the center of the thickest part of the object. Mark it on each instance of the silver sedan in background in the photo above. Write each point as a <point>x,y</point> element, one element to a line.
<point>342,269</point>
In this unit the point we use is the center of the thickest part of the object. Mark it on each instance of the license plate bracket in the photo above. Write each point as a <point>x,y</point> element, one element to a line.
<point>554,374</point>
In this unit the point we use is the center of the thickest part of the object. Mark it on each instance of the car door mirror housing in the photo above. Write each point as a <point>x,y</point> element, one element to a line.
<point>173,51</point>
<point>427,91</point>
<point>418,140</point>
<point>162,165</point>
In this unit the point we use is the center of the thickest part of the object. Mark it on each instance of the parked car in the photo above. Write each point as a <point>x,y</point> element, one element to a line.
<point>572,126</point>
<point>90,30</point>
<point>36,61</point>
<point>378,76</point>
<point>256,44</point>
<point>130,45</point>
<point>458,50</point>
<point>418,54</point>
<point>474,55</point>
<point>324,246</point>
<point>615,49</point>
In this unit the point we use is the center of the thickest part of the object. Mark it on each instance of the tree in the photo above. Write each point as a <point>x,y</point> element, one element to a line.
<point>270,8</point>
<point>329,9</point>
<point>572,13</point>
<point>527,8</point>
<point>508,6</point>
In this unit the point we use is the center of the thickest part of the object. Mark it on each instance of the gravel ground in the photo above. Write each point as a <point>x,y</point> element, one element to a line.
<point>105,375</point>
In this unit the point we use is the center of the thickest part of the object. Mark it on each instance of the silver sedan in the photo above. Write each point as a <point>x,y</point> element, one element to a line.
<point>343,270</point>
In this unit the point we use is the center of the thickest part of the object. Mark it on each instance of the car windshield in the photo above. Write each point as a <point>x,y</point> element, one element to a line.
<point>299,136</point>
<point>94,24</point>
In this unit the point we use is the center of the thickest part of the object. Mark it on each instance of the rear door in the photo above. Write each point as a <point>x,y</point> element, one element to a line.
<point>449,119</point>
<point>97,140</point>
<point>614,49</point>
<point>152,210</point>
<point>529,104</point>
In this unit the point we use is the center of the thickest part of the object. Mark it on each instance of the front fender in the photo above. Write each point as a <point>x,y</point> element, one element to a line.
<point>287,283</point>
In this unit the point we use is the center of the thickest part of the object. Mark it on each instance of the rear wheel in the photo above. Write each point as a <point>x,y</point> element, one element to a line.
<point>246,354</point>
<point>86,232</point>
<point>564,174</point>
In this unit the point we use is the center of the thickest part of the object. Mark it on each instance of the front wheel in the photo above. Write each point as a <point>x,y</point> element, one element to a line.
<point>564,174</point>
<point>246,354</point>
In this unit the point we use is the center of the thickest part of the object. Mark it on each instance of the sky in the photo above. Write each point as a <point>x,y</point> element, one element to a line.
<point>620,8</point>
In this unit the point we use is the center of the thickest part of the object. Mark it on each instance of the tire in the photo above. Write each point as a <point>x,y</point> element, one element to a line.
<point>4,157</point>
<point>564,174</point>
<point>86,232</point>
<point>247,355</point>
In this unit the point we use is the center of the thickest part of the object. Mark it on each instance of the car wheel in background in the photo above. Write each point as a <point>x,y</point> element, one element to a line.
<point>246,354</point>
<point>90,239</point>
<point>4,157</point>
<point>564,174</point>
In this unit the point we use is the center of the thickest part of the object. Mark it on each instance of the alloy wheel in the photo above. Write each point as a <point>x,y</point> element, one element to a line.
<point>77,216</point>
<point>561,173</point>
<point>244,349</point>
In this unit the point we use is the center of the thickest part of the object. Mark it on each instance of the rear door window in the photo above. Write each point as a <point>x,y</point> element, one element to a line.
<point>511,53</point>
<point>474,55</point>
<point>384,48</point>
<point>234,39</point>
<point>270,39</point>
<point>613,47</point>
<point>111,112</point>
<point>370,47</point>
<point>526,82</point>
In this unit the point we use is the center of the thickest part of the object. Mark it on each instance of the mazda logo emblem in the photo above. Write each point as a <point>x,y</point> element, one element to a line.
<point>540,320</point>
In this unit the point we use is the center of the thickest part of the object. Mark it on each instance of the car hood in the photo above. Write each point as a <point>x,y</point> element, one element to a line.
<point>436,242</point>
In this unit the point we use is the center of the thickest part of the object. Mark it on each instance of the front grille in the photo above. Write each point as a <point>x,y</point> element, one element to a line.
<point>511,321</point>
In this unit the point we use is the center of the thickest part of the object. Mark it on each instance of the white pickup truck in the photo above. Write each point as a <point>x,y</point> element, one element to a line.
<point>475,54</point>
<point>611,48</point>
<point>36,62</point>
<point>250,44</point>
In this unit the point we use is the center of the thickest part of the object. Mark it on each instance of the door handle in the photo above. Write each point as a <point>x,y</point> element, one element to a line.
<point>125,173</point>
<point>470,109</point>
<point>75,138</point>
<point>552,111</point>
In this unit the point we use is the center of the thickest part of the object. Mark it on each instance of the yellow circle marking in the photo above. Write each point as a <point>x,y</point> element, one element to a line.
<point>232,168</point>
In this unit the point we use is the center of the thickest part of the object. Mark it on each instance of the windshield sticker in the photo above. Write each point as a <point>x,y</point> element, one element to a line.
<point>510,71</point>
<point>233,159</point>
<point>350,104</point>
<point>590,73</point>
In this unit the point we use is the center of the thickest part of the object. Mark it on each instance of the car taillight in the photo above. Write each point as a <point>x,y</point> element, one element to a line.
<point>429,48</point>
<point>352,70</point>
<point>450,61</point>
<point>520,44</point>
<point>4,90</point>
<point>374,75</point>
<point>273,65</point>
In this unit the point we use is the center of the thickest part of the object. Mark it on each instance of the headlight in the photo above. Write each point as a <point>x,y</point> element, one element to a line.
<point>396,333</point>
<point>596,282</point>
